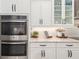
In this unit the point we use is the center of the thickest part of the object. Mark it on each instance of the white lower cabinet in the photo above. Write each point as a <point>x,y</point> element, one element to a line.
<point>36,53</point>
<point>42,52</point>
<point>67,53</point>
<point>52,51</point>
<point>75,53</point>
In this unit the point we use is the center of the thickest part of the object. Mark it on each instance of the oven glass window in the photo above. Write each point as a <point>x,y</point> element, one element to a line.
<point>13,50</point>
<point>13,28</point>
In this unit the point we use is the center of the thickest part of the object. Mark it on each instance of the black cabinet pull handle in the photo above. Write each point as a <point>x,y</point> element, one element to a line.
<point>44,53</point>
<point>41,53</point>
<point>40,21</point>
<point>15,7</point>
<point>69,45</point>
<point>68,53</point>
<point>43,45</point>
<point>12,7</point>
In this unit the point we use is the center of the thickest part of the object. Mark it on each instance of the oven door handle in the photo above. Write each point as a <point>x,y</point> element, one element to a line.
<point>14,21</point>
<point>13,42</point>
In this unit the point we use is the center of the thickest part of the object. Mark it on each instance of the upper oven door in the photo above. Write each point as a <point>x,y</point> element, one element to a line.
<point>14,28</point>
<point>13,25</point>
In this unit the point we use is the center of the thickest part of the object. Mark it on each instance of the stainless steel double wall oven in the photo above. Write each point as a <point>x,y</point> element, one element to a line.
<point>14,36</point>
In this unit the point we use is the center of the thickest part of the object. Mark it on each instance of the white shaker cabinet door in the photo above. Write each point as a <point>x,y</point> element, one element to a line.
<point>50,53</point>
<point>36,53</point>
<point>67,53</point>
<point>42,53</point>
<point>69,12</point>
<point>62,53</point>
<point>46,12</point>
<point>7,6</point>
<point>63,12</point>
<point>41,12</point>
<point>35,12</point>
<point>15,6</point>
<point>21,6</point>
<point>74,53</point>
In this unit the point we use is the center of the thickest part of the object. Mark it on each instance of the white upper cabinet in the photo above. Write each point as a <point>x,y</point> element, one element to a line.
<point>15,6</point>
<point>41,12</point>
<point>21,6</point>
<point>63,12</point>
<point>52,12</point>
<point>35,13</point>
<point>46,12</point>
<point>69,11</point>
<point>57,12</point>
<point>6,6</point>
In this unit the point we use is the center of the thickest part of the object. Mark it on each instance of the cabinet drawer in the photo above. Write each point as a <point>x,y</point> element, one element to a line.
<point>43,44</point>
<point>67,44</point>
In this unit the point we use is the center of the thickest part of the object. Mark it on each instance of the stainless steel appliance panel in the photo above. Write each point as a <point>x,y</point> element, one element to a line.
<point>13,27</point>
<point>14,37</point>
<point>13,57</point>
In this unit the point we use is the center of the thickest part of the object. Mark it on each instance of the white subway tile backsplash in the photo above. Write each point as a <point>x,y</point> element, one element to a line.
<point>70,32</point>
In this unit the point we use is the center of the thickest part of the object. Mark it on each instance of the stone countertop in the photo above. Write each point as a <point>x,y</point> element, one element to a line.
<point>54,39</point>
<point>72,33</point>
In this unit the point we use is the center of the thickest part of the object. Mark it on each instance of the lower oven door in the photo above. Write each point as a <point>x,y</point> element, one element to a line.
<point>13,50</point>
